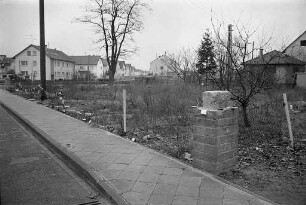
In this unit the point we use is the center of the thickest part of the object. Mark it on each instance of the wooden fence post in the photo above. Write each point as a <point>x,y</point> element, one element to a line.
<point>288,118</point>
<point>124,110</point>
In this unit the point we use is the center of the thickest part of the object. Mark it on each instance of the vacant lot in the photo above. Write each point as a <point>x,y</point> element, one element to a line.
<point>158,116</point>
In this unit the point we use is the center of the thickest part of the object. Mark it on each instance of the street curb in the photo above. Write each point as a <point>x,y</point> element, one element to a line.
<point>73,162</point>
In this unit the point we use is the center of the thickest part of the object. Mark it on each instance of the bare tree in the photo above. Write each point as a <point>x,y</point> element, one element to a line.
<point>236,75</point>
<point>181,63</point>
<point>115,22</point>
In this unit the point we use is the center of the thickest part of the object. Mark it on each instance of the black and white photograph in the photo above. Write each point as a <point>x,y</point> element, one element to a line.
<point>153,102</point>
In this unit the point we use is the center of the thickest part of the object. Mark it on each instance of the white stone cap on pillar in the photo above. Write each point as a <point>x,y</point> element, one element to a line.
<point>215,100</point>
<point>202,109</point>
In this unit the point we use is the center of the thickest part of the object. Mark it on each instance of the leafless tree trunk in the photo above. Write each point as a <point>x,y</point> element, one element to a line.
<point>114,22</point>
<point>235,76</point>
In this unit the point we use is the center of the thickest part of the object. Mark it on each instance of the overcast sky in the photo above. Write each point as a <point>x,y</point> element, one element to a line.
<point>169,26</point>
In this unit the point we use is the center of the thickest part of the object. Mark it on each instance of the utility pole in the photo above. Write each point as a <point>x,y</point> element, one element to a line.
<point>42,49</point>
<point>253,50</point>
<point>229,45</point>
<point>229,70</point>
<point>88,76</point>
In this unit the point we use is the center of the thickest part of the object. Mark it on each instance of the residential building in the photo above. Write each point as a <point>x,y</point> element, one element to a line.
<point>297,48</point>
<point>89,65</point>
<point>159,66</point>
<point>129,69</point>
<point>121,69</point>
<point>284,66</point>
<point>5,66</point>
<point>58,64</point>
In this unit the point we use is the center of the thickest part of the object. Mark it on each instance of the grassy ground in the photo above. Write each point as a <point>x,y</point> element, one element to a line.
<point>158,117</point>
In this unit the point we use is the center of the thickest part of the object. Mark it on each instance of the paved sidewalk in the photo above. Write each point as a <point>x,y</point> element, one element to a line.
<point>129,172</point>
<point>31,174</point>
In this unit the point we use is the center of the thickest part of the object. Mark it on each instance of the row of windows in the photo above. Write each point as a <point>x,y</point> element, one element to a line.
<point>33,53</point>
<point>63,64</point>
<point>26,73</point>
<point>86,67</point>
<point>25,63</point>
<point>62,74</point>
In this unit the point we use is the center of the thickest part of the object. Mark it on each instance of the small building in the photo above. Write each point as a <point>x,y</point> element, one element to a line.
<point>5,66</point>
<point>86,66</point>
<point>159,66</point>
<point>58,65</point>
<point>284,66</point>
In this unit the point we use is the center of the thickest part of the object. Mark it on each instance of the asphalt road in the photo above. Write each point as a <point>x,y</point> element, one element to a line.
<point>30,174</point>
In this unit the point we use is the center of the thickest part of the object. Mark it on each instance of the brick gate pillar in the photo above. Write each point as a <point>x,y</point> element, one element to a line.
<point>215,137</point>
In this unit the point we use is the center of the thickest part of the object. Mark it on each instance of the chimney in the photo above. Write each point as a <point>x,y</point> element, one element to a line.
<point>260,52</point>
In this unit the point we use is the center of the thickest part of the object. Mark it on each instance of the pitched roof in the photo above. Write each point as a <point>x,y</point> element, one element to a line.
<point>86,60</point>
<point>294,41</point>
<point>162,57</point>
<point>51,53</point>
<point>275,58</point>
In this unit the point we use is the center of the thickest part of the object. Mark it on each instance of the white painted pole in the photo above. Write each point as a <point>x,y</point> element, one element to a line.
<point>288,118</point>
<point>124,110</point>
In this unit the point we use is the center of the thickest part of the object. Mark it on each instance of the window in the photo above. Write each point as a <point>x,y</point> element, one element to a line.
<point>28,53</point>
<point>272,69</point>
<point>63,64</point>
<point>67,74</point>
<point>303,42</point>
<point>67,65</point>
<point>34,63</point>
<point>24,73</point>
<point>81,68</point>
<point>35,74</point>
<point>298,69</point>
<point>63,74</point>
<point>58,63</point>
<point>24,63</point>
<point>34,53</point>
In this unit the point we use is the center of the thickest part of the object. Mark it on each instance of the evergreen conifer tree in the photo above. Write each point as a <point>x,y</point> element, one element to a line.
<point>206,63</point>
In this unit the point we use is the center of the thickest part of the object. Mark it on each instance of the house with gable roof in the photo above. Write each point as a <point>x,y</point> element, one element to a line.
<point>58,64</point>
<point>159,66</point>
<point>297,48</point>
<point>86,65</point>
<point>282,65</point>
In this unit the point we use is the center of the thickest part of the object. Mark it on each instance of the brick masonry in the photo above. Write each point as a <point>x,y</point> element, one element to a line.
<point>215,139</point>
